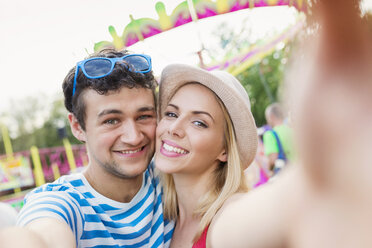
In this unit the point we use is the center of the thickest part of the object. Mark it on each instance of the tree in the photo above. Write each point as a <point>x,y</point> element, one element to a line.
<point>263,80</point>
<point>33,123</point>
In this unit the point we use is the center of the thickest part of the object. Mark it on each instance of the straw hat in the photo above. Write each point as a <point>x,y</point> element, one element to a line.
<point>230,92</point>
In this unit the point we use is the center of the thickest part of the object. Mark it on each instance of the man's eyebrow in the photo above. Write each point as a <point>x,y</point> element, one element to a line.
<point>116,111</point>
<point>146,108</point>
<point>109,111</point>
<point>193,112</point>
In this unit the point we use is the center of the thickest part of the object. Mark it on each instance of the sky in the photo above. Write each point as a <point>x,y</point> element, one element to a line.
<point>41,40</point>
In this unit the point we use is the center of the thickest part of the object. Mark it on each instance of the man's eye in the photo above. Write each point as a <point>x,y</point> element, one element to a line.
<point>145,117</point>
<point>111,121</point>
<point>170,114</point>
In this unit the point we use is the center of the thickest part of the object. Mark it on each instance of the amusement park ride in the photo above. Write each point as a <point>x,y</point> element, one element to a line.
<point>194,10</point>
<point>22,171</point>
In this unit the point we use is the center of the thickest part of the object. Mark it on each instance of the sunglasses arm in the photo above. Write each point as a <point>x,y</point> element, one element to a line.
<point>75,78</point>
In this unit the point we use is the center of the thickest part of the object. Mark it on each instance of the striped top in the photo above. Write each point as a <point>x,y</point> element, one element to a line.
<point>98,221</point>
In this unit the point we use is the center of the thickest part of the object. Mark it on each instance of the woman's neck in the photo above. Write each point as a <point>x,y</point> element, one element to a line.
<point>190,188</point>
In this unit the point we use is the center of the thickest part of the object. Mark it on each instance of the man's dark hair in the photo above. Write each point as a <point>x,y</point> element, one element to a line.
<point>118,78</point>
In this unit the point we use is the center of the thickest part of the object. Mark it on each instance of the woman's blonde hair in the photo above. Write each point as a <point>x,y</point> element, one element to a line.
<point>228,179</point>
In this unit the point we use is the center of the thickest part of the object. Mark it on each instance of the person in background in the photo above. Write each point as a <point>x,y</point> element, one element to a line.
<point>277,142</point>
<point>258,173</point>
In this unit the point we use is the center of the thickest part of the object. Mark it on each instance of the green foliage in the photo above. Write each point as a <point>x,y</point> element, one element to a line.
<point>25,118</point>
<point>263,80</point>
<point>2,148</point>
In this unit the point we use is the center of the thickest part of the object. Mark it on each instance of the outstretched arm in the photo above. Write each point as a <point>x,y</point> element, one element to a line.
<point>304,206</point>
<point>40,233</point>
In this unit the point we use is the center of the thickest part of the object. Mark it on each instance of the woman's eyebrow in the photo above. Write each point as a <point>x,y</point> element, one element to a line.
<point>174,106</point>
<point>195,112</point>
<point>203,113</point>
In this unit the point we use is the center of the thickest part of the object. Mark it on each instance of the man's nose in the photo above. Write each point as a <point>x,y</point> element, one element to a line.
<point>132,133</point>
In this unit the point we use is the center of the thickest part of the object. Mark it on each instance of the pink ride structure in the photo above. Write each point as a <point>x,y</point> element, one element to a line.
<point>54,163</point>
<point>140,29</point>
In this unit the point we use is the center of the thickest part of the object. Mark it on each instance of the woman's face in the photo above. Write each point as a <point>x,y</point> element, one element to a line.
<point>189,137</point>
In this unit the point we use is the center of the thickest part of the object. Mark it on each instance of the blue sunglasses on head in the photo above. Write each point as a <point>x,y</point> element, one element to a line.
<point>100,66</point>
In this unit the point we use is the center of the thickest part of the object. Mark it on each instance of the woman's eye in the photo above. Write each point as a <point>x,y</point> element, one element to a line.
<point>170,114</point>
<point>200,124</point>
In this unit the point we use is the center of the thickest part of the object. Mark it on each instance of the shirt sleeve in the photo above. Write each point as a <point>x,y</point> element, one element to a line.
<point>52,204</point>
<point>270,145</point>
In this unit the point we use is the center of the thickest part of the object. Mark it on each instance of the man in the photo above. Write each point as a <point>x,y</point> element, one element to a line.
<point>116,201</point>
<point>278,141</point>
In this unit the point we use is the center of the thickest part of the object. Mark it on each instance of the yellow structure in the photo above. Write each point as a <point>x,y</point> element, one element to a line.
<point>70,154</point>
<point>7,143</point>
<point>38,171</point>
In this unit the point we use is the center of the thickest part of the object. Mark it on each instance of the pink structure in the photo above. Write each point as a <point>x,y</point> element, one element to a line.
<point>57,155</point>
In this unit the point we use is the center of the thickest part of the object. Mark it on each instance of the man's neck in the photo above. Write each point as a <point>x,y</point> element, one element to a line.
<point>111,186</point>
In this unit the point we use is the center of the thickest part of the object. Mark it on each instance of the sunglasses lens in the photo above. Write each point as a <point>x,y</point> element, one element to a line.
<point>137,63</point>
<point>97,67</point>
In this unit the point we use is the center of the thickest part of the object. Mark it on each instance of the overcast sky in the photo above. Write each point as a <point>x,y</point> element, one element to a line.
<point>42,39</point>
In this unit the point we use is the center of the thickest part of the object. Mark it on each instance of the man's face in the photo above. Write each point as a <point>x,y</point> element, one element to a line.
<point>120,131</point>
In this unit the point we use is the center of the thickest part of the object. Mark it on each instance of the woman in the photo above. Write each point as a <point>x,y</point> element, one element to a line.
<point>206,137</point>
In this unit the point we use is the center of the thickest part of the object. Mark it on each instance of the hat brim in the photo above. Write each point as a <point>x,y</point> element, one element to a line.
<point>230,93</point>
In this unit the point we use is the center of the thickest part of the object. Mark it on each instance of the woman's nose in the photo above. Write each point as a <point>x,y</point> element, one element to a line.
<point>176,128</point>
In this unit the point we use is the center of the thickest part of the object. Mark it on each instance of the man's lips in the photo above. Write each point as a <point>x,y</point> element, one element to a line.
<point>134,152</point>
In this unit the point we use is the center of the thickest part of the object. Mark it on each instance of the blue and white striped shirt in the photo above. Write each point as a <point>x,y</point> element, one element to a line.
<point>98,221</point>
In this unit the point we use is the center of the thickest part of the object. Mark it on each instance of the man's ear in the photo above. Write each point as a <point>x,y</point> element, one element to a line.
<point>76,129</point>
<point>223,156</point>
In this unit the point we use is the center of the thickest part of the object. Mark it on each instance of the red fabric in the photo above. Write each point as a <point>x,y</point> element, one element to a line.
<point>202,241</point>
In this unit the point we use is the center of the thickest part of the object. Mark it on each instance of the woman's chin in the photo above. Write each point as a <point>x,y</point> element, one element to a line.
<point>164,165</point>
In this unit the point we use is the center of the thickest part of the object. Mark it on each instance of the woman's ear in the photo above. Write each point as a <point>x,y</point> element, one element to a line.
<point>76,129</point>
<point>223,156</point>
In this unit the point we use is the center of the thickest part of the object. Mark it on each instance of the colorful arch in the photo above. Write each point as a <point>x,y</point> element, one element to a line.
<point>140,29</point>
<point>252,55</point>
